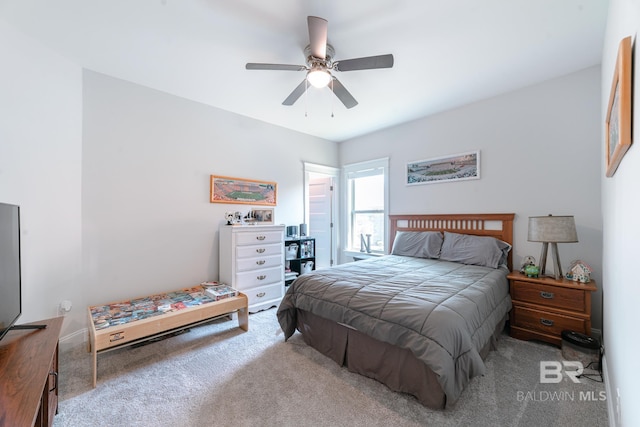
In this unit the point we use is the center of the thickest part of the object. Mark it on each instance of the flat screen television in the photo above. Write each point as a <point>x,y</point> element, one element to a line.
<point>10,283</point>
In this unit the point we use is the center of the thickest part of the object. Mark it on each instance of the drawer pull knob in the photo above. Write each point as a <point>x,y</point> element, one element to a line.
<point>55,382</point>
<point>260,294</point>
<point>546,295</point>
<point>260,262</point>
<point>260,250</point>
<point>261,277</point>
<point>546,322</point>
<point>261,237</point>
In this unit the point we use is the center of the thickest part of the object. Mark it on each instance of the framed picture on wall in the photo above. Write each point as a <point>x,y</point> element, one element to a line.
<point>457,167</point>
<point>618,122</point>
<point>225,189</point>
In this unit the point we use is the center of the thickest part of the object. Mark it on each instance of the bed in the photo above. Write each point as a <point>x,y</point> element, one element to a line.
<point>421,319</point>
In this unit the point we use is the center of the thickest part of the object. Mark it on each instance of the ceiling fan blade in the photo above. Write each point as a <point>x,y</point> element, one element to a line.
<point>366,63</point>
<point>285,67</point>
<point>343,94</point>
<point>297,92</point>
<point>317,36</point>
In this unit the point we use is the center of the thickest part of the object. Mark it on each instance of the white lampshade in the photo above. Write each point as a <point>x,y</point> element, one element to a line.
<point>318,77</point>
<point>558,229</point>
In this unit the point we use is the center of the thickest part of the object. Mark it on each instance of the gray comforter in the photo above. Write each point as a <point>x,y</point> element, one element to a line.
<point>444,312</point>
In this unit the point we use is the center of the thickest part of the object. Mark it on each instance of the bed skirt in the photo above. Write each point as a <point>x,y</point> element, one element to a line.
<point>395,367</point>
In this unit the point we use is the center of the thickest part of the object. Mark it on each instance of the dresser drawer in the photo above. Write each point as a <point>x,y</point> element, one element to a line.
<point>251,279</point>
<point>550,296</point>
<point>264,293</point>
<point>259,250</point>
<point>549,323</point>
<point>258,237</point>
<point>259,262</point>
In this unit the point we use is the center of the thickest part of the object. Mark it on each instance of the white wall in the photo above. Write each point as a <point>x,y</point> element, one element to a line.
<point>621,232</point>
<point>40,168</point>
<point>540,154</point>
<point>148,225</point>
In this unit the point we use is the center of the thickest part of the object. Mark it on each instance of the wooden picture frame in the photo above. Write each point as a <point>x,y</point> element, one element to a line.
<point>457,167</point>
<point>225,189</point>
<point>618,122</point>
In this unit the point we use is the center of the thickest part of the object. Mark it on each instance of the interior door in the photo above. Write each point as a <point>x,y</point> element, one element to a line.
<point>320,191</point>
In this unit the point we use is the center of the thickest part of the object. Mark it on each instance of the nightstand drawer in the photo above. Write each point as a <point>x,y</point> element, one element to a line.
<point>549,323</point>
<point>549,296</point>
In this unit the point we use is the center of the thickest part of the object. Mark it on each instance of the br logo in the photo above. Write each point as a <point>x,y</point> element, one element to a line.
<point>551,371</point>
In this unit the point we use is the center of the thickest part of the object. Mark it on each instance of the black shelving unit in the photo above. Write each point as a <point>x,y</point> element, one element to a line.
<point>298,252</point>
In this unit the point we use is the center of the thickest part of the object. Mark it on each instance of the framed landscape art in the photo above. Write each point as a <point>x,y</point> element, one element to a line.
<point>225,189</point>
<point>458,167</point>
<point>618,122</point>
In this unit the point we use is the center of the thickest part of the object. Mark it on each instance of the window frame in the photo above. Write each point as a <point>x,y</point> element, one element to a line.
<point>362,170</point>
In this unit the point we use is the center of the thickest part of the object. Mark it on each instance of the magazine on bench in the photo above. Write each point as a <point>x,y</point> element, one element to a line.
<point>119,313</point>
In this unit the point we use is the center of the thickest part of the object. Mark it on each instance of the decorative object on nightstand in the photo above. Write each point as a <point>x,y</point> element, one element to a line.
<point>579,271</point>
<point>532,270</point>
<point>544,307</point>
<point>554,230</point>
<point>527,261</point>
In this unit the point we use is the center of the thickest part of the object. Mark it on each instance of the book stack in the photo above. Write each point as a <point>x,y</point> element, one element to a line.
<point>290,275</point>
<point>218,291</point>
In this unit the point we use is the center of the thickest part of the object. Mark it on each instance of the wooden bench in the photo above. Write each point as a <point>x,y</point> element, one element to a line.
<point>120,324</point>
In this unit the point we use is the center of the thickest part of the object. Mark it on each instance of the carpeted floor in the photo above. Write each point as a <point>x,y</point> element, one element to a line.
<point>218,375</point>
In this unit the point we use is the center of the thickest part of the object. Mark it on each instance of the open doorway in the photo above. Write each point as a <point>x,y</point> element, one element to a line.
<point>320,189</point>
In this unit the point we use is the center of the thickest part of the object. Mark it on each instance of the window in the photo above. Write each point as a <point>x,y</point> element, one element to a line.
<point>366,206</point>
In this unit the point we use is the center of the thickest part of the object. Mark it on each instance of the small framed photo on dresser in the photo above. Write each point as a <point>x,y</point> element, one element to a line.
<point>261,216</point>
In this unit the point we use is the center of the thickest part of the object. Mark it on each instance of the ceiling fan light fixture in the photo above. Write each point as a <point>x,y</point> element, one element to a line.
<point>318,77</point>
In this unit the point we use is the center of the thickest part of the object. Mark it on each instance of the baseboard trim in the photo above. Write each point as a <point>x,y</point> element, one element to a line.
<point>73,339</point>
<point>611,410</point>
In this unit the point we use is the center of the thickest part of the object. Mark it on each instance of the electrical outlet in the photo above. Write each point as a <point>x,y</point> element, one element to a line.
<point>64,307</point>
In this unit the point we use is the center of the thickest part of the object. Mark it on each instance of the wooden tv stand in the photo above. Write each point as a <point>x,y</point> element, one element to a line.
<point>117,336</point>
<point>29,375</point>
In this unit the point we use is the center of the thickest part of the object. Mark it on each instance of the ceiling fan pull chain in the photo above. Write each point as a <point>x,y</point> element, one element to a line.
<point>306,89</point>
<point>332,98</point>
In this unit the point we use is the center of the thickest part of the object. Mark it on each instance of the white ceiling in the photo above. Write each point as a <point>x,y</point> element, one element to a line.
<point>447,52</point>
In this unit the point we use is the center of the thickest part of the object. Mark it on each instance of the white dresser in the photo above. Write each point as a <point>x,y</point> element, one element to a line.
<point>252,261</point>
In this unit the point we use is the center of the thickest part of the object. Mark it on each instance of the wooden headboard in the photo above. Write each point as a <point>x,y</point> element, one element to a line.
<point>499,226</point>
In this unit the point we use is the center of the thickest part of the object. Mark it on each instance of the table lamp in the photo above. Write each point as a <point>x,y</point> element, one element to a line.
<point>554,230</point>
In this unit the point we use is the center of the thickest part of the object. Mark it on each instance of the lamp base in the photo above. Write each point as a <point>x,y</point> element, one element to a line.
<point>557,269</point>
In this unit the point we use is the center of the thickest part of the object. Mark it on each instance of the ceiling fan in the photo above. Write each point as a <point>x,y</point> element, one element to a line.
<point>320,63</point>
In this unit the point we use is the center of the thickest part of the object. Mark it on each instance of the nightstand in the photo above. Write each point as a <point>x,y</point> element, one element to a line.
<point>543,307</point>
